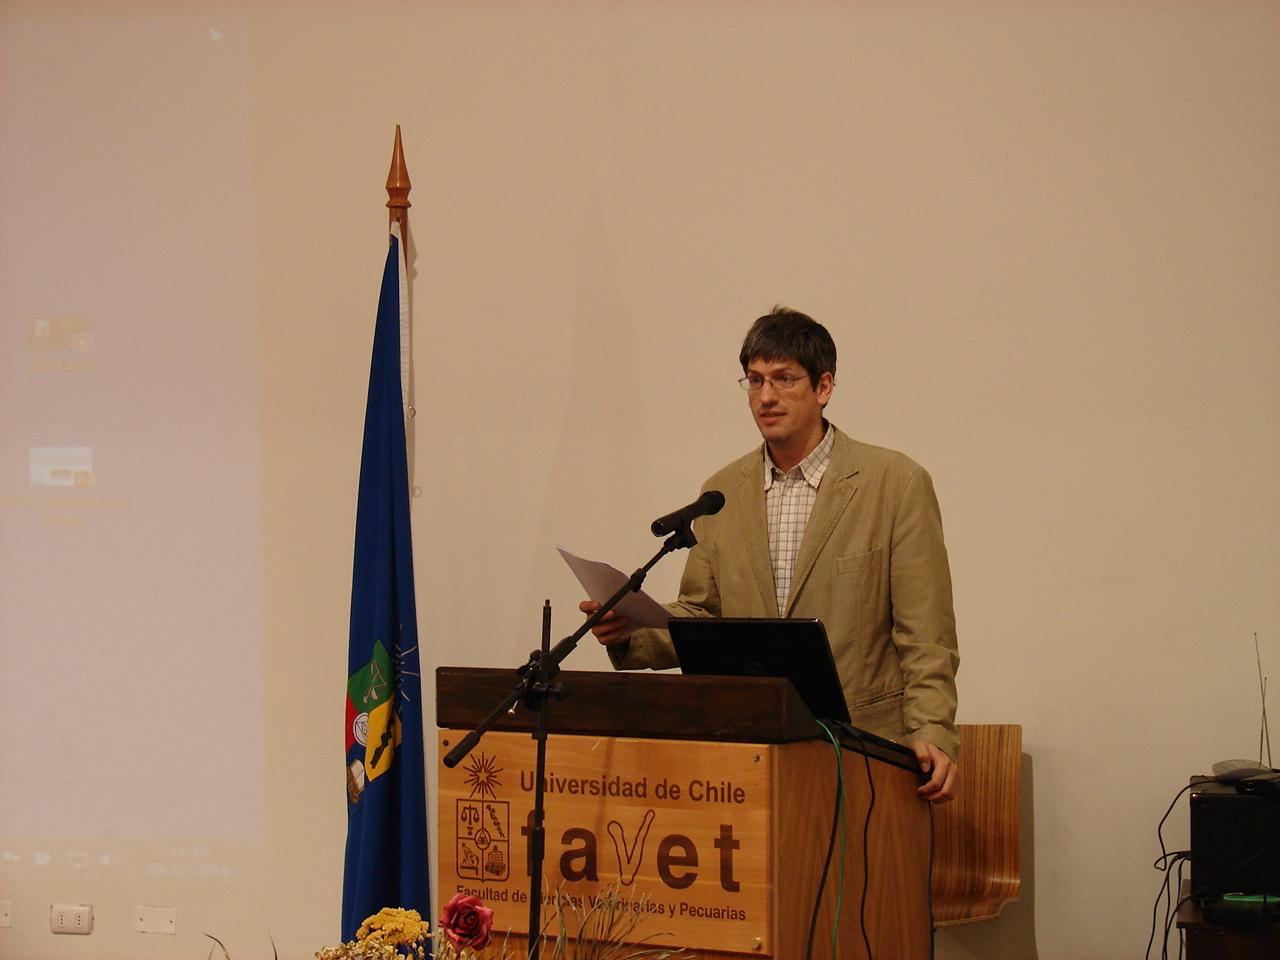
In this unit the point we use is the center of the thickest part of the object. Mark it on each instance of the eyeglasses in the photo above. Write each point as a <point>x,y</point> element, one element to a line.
<point>753,382</point>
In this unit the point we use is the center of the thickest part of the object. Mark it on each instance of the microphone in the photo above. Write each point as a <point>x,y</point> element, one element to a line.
<point>707,504</point>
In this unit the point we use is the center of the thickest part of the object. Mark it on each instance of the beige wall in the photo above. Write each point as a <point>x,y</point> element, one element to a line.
<point>1045,237</point>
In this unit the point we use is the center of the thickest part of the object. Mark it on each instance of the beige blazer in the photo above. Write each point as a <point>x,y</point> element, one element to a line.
<point>872,566</point>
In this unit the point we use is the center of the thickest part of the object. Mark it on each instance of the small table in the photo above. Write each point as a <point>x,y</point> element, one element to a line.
<point>1216,941</point>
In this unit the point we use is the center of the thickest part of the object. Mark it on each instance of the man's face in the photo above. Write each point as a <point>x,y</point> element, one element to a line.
<point>788,419</point>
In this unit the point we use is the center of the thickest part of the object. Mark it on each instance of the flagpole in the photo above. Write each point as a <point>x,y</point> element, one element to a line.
<point>387,860</point>
<point>398,187</point>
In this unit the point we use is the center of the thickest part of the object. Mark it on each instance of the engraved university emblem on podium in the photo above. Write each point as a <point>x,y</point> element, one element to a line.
<point>484,824</point>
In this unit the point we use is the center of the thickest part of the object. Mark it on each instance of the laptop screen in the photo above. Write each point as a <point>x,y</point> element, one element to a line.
<point>765,647</point>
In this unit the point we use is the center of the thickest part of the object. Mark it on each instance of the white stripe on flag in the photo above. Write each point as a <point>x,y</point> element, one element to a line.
<point>406,351</point>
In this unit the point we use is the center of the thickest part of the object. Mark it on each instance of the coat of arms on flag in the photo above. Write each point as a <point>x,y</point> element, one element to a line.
<point>373,722</point>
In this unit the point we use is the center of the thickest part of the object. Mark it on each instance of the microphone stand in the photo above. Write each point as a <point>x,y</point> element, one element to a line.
<point>537,685</point>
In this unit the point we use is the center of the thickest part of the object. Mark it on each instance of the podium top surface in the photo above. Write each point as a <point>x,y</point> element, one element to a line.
<point>655,705</point>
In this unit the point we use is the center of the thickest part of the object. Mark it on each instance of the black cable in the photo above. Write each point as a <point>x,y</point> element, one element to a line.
<point>1194,894</point>
<point>1160,825</point>
<point>866,833</point>
<point>1180,859</point>
<point>1169,919</point>
<point>856,735</point>
<point>1168,902</point>
<point>1165,863</point>
<point>1170,912</point>
<point>1181,933</point>
<point>866,859</point>
<point>1169,860</point>
<point>826,864</point>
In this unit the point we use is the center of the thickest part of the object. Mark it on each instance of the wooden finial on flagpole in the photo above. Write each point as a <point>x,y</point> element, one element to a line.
<point>398,187</point>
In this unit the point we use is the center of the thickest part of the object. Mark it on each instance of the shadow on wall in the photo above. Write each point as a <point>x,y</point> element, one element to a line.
<point>1012,935</point>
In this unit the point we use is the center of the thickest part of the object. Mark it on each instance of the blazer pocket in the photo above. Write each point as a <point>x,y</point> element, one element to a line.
<point>846,610</point>
<point>857,564</point>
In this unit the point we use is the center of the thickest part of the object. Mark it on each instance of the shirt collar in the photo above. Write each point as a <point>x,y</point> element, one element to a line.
<point>811,467</point>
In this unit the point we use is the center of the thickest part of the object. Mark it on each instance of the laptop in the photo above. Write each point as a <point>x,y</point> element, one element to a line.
<point>797,650</point>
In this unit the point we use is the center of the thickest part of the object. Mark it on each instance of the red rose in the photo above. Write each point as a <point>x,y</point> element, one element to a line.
<point>466,922</point>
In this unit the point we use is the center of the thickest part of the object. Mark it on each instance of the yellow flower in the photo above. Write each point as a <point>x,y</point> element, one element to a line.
<point>393,926</point>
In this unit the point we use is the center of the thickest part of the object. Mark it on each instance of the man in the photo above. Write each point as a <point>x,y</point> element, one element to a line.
<point>819,525</point>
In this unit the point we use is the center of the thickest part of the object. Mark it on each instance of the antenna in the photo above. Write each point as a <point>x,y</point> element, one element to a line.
<point>1264,735</point>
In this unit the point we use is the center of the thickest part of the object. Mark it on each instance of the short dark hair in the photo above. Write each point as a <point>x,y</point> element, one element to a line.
<point>786,334</point>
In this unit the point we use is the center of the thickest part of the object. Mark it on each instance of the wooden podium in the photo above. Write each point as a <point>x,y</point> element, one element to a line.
<point>710,800</point>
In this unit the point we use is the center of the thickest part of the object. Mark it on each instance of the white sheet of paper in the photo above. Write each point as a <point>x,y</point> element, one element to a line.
<point>601,581</point>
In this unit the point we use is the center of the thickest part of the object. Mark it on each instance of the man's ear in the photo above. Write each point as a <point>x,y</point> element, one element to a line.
<point>826,384</point>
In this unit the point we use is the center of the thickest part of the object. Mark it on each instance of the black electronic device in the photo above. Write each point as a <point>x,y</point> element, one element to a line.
<point>1243,910</point>
<point>1264,785</point>
<point>764,647</point>
<point>1235,841</point>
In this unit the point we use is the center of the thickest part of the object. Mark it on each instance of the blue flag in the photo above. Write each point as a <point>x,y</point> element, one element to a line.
<point>386,861</point>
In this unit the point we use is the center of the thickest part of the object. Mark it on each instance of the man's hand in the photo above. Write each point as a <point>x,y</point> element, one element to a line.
<point>613,629</point>
<point>943,772</point>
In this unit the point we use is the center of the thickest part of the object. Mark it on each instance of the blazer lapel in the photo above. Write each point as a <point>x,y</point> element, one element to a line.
<point>834,493</point>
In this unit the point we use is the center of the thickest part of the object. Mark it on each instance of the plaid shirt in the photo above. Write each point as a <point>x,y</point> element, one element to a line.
<point>789,499</point>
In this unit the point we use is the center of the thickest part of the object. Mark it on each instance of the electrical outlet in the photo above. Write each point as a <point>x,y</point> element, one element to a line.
<point>71,918</point>
<point>156,920</point>
<point>6,913</point>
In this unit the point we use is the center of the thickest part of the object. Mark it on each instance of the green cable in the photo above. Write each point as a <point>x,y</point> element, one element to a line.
<point>835,924</point>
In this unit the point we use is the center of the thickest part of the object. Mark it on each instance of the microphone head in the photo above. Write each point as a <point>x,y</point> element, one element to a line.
<point>710,502</point>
